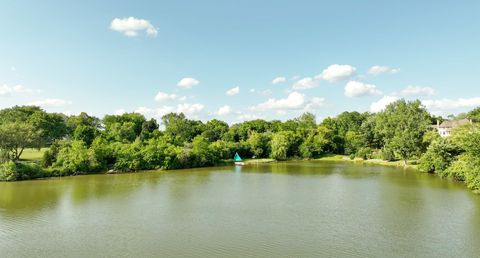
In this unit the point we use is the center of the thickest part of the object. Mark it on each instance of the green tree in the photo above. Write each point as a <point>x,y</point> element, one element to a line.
<point>74,158</point>
<point>149,129</point>
<point>215,130</point>
<point>82,119</point>
<point>16,136</point>
<point>51,126</point>
<point>474,115</point>
<point>280,144</point>
<point>259,144</point>
<point>85,133</point>
<point>201,152</point>
<point>179,129</point>
<point>402,126</point>
<point>439,156</point>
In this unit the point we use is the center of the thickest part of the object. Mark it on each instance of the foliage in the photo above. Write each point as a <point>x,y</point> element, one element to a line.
<point>402,126</point>
<point>364,153</point>
<point>129,142</point>
<point>259,144</point>
<point>280,144</point>
<point>474,115</point>
<point>74,158</point>
<point>12,171</point>
<point>179,129</point>
<point>8,171</point>
<point>16,136</point>
<point>466,168</point>
<point>440,154</point>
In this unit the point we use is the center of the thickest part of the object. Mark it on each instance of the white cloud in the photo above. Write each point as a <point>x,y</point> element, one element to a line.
<point>225,110</point>
<point>337,72</point>
<point>188,83</point>
<point>356,89</point>
<point>233,91</point>
<point>186,108</point>
<point>417,91</point>
<point>6,90</point>
<point>244,117</point>
<point>378,69</point>
<point>305,83</point>
<point>120,111</point>
<point>279,80</point>
<point>315,103</point>
<point>50,103</point>
<point>449,104</point>
<point>189,109</point>
<point>184,98</point>
<point>131,26</point>
<point>13,69</point>
<point>382,103</point>
<point>162,96</point>
<point>294,100</point>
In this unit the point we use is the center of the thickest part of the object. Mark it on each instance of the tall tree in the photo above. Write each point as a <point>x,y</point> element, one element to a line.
<point>16,136</point>
<point>402,125</point>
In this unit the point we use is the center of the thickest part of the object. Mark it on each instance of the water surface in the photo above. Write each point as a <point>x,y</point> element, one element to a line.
<point>287,209</point>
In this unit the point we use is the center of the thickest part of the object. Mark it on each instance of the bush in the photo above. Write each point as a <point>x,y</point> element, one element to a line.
<point>29,170</point>
<point>129,157</point>
<point>466,168</point>
<point>8,171</point>
<point>177,157</point>
<point>388,154</point>
<point>440,154</point>
<point>74,158</point>
<point>11,171</point>
<point>364,153</point>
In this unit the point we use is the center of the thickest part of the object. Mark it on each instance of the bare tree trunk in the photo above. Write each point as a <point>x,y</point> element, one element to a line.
<point>18,153</point>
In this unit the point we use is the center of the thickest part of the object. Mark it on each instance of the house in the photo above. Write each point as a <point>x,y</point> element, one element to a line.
<point>446,127</point>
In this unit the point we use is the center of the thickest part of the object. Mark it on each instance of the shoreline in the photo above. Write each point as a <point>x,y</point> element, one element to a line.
<point>328,157</point>
<point>411,164</point>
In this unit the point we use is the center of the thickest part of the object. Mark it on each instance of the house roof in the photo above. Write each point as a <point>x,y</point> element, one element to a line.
<point>454,123</point>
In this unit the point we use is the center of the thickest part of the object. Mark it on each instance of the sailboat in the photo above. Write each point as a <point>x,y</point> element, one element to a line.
<point>238,160</point>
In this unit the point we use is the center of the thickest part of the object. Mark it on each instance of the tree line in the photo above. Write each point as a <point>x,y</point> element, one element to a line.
<point>83,144</point>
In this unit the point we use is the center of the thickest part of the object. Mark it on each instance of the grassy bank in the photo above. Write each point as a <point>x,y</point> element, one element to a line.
<point>32,154</point>
<point>399,163</point>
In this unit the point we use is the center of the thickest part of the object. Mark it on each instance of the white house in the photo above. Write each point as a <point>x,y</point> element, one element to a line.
<point>446,127</point>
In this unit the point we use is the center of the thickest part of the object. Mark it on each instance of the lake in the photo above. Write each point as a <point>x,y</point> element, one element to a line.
<point>284,209</point>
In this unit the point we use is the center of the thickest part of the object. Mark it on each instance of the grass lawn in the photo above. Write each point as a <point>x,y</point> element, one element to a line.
<point>399,163</point>
<point>33,154</point>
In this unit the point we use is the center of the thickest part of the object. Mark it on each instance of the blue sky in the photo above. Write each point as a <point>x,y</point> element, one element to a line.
<point>90,56</point>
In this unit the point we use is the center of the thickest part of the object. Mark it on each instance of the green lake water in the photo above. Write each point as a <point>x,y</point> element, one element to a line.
<point>285,209</point>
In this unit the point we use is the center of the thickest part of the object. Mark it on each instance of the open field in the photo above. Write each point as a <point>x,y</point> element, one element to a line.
<point>33,154</point>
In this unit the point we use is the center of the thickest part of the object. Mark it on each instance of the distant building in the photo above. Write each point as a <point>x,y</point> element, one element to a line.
<point>446,127</point>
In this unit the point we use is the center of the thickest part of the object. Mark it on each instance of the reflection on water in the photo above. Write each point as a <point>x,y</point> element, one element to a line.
<point>289,209</point>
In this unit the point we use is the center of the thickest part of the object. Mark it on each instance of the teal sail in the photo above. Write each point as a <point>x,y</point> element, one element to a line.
<point>237,157</point>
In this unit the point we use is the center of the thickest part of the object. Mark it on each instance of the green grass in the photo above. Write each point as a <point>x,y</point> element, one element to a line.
<point>247,161</point>
<point>32,154</point>
<point>399,163</point>
<point>257,161</point>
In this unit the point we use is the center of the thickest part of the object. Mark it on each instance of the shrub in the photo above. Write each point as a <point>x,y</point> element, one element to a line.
<point>466,168</point>
<point>8,171</point>
<point>29,170</point>
<point>11,171</point>
<point>129,157</point>
<point>74,158</point>
<point>388,154</point>
<point>440,154</point>
<point>364,153</point>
